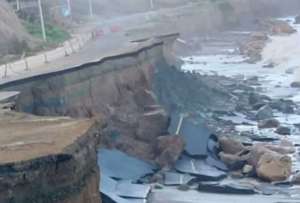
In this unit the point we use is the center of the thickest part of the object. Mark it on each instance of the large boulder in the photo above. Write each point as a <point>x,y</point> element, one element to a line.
<point>168,150</point>
<point>256,153</point>
<point>230,146</point>
<point>264,112</point>
<point>273,166</point>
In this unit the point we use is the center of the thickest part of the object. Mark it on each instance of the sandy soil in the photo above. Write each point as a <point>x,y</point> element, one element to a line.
<point>24,137</point>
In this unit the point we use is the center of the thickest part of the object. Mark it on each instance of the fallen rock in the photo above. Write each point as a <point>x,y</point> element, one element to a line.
<point>269,123</point>
<point>264,112</point>
<point>233,161</point>
<point>283,130</point>
<point>230,146</point>
<point>295,84</point>
<point>168,149</point>
<point>256,153</point>
<point>152,124</point>
<point>273,166</point>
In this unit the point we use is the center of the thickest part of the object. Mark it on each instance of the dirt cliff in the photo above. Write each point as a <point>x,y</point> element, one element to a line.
<point>48,159</point>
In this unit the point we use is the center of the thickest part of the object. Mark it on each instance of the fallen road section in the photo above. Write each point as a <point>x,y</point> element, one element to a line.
<point>47,159</point>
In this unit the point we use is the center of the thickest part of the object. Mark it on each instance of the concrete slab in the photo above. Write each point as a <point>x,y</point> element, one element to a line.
<point>199,168</point>
<point>116,164</point>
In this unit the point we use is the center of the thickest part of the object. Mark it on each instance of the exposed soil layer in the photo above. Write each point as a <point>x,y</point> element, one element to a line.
<point>48,160</point>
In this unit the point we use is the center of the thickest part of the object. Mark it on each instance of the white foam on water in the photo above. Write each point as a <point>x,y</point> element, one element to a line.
<point>283,51</point>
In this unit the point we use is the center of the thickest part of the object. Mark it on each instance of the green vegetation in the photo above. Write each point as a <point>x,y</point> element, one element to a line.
<point>55,34</point>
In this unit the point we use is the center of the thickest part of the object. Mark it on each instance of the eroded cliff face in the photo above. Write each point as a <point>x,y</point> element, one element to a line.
<point>117,89</point>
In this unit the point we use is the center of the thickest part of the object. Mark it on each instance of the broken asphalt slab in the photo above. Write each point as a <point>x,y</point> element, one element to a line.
<point>123,191</point>
<point>118,165</point>
<point>127,189</point>
<point>174,178</point>
<point>199,168</point>
<point>195,135</point>
<point>226,188</point>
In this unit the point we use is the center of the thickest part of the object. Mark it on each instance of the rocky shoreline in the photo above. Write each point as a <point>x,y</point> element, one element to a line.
<point>258,140</point>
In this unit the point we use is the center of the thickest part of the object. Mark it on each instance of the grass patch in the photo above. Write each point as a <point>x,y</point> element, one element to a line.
<point>55,34</point>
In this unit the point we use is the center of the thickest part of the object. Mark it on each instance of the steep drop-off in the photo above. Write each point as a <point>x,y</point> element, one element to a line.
<point>48,159</point>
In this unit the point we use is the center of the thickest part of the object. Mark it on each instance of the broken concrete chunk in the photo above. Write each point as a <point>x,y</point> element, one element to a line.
<point>122,191</point>
<point>195,135</point>
<point>127,189</point>
<point>173,178</point>
<point>118,165</point>
<point>199,168</point>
